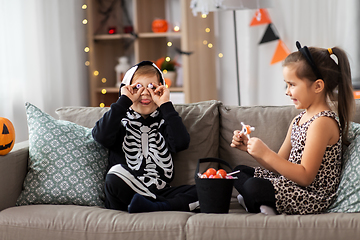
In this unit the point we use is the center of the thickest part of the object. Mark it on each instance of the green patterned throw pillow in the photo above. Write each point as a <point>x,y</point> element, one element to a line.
<point>66,165</point>
<point>348,193</point>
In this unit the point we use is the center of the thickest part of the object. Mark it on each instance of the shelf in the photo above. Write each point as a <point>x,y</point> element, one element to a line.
<point>155,35</point>
<point>113,36</point>
<point>140,35</point>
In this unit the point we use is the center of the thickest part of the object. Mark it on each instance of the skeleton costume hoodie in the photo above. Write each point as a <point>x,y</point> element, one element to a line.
<point>143,145</point>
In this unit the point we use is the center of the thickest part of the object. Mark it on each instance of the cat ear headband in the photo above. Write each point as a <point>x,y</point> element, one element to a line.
<point>306,53</point>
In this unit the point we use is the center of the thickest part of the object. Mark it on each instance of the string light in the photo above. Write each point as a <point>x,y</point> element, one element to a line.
<point>165,71</point>
<point>168,59</point>
<point>220,55</point>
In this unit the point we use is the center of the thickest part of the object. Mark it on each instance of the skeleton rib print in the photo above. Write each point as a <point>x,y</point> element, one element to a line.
<point>145,150</point>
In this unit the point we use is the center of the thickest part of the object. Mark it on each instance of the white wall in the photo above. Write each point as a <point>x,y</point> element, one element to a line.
<point>322,23</point>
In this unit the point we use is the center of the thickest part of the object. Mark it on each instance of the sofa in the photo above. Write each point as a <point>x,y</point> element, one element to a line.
<point>211,125</point>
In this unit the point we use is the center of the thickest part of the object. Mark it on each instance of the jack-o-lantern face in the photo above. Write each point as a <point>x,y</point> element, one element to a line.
<point>159,25</point>
<point>7,136</point>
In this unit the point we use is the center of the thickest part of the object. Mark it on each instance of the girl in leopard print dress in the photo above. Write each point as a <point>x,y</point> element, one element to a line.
<point>302,178</point>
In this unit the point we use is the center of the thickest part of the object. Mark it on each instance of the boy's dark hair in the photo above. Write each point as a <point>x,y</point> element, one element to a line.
<point>146,70</point>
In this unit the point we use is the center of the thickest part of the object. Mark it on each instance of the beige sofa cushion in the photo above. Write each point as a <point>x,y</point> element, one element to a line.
<point>84,116</point>
<point>279,227</point>
<point>271,123</point>
<point>57,222</point>
<point>201,120</point>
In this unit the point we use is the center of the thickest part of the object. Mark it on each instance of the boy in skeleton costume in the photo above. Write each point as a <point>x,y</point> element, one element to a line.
<point>141,130</point>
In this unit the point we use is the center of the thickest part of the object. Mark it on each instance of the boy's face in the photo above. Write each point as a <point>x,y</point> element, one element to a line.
<point>145,105</point>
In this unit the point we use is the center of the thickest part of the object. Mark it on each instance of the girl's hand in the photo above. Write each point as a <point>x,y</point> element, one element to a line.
<point>239,140</point>
<point>132,92</point>
<point>257,148</point>
<point>160,95</point>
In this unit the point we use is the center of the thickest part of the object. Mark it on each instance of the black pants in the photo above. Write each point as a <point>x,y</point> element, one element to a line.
<point>119,195</point>
<point>255,191</point>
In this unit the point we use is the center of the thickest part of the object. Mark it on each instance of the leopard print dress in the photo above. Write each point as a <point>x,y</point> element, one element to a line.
<point>292,198</point>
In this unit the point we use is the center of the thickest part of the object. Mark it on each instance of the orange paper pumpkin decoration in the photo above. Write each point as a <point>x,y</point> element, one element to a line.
<point>168,82</point>
<point>7,136</point>
<point>159,25</point>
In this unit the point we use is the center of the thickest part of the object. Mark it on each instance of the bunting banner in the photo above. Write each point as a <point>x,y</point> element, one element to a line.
<point>270,34</point>
<point>262,17</point>
<point>281,53</point>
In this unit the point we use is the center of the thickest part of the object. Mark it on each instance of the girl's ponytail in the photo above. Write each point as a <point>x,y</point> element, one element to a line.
<point>345,91</point>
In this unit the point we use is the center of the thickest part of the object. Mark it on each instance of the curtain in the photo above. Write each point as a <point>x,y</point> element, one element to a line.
<point>41,58</point>
<point>321,23</point>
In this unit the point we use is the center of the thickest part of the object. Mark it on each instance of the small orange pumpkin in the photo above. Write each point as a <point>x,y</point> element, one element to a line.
<point>168,82</point>
<point>159,25</point>
<point>7,136</point>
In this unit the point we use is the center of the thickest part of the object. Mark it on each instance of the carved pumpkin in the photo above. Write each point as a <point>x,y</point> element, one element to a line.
<point>7,136</point>
<point>159,25</point>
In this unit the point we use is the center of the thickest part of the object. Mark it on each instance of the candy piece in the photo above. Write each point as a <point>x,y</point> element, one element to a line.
<point>150,85</point>
<point>229,177</point>
<point>203,176</point>
<point>247,129</point>
<point>222,173</point>
<point>217,176</point>
<point>138,85</point>
<point>232,173</point>
<point>210,171</point>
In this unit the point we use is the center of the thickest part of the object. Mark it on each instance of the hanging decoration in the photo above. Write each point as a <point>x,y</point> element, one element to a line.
<point>281,52</point>
<point>262,17</point>
<point>270,34</point>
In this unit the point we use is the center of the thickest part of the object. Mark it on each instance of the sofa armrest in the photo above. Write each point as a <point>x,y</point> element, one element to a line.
<point>13,168</point>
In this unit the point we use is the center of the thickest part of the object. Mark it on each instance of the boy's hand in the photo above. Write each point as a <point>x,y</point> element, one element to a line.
<point>160,94</point>
<point>239,140</point>
<point>132,92</point>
